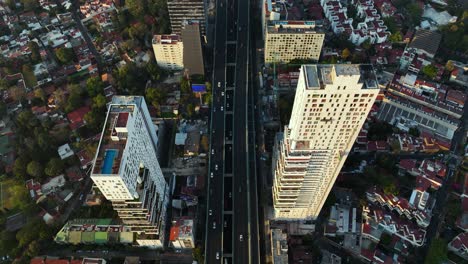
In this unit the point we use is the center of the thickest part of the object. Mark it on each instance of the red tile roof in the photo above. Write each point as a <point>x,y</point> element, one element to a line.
<point>76,117</point>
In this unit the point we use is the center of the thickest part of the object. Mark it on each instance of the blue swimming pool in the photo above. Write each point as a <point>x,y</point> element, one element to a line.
<point>109,157</point>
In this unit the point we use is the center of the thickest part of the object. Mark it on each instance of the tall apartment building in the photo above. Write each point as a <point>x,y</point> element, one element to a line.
<point>186,10</point>
<point>127,172</point>
<point>288,40</point>
<point>169,52</point>
<point>330,107</point>
<point>192,54</point>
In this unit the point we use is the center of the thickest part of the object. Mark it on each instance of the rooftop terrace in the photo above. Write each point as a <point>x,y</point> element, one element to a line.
<point>114,140</point>
<point>317,76</point>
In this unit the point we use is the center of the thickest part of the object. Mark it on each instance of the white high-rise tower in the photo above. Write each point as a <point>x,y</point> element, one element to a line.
<point>330,107</point>
<point>126,169</point>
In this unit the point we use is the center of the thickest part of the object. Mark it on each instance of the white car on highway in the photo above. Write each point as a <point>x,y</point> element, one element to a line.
<point>211,175</point>
<point>210,212</point>
<point>219,84</point>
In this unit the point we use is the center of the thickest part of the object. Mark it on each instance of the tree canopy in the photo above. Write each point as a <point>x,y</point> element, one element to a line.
<point>65,55</point>
<point>35,169</point>
<point>429,71</point>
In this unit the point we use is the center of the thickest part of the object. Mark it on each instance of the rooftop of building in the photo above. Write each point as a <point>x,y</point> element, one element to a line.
<point>294,27</point>
<point>166,39</point>
<point>293,9</point>
<point>460,242</point>
<point>317,76</point>
<point>114,134</point>
<point>181,229</point>
<point>426,40</point>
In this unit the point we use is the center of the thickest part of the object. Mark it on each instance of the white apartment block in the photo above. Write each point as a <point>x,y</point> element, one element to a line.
<point>330,107</point>
<point>127,172</point>
<point>288,40</point>
<point>169,52</point>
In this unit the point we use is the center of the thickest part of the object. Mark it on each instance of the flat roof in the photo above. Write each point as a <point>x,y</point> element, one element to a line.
<point>318,75</point>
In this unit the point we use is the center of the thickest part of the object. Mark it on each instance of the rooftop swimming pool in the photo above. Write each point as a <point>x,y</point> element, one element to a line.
<point>109,158</point>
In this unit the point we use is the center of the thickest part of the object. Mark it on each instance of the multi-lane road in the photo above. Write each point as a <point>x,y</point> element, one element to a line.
<point>232,224</point>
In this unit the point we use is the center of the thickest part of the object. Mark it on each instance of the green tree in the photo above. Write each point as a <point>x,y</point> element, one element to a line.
<point>94,86</point>
<point>390,189</point>
<point>33,249</point>
<point>153,70</point>
<point>19,196</point>
<point>19,167</point>
<point>3,109</point>
<point>396,37</point>
<point>430,71</point>
<point>99,101</point>
<point>391,24</point>
<point>136,7</point>
<point>35,169</point>
<point>198,254</point>
<point>65,55</point>
<point>345,53</point>
<point>7,242</point>
<point>74,101</point>
<point>184,85</point>
<point>35,52</point>
<point>138,31</point>
<point>30,5</point>
<point>449,66</point>
<point>415,13</point>
<point>156,96</point>
<point>54,167</point>
<point>437,252</point>
<point>40,94</point>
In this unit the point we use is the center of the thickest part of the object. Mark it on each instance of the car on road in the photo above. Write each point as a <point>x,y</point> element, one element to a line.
<point>219,84</point>
<point>241,238</point>
<point>217,255</point>
<point>214,225</point>
<point>225,224</point>
<point>212,151</point>
<point>216,166</point>
<point>210,212</point>
<point>222,93</point>
<point>230,194</point>
<point>81,197</point>
<point>240,28</point>
<point>222,108</point>
<point>240,189</point>
<point>211,175</point>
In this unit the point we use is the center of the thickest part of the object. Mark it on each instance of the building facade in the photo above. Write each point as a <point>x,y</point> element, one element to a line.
<point>186,10</point>
<point>288,40</point>
<point>330,106</point>
<point>127,172</point>
<point>169,52</point>
<point>193,56</point>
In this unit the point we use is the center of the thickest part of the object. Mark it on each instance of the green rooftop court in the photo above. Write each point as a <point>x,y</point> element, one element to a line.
<point>94,231</point>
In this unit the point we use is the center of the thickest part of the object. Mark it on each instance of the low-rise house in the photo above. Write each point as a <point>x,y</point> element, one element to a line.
<point>65,151</point>
<point>342,221</point>
<point>53,185</point>
<point>459,245</point>
<point>390,223</point>
<point>182,233</point>
<point>426,42</point>
<point>76,117</point>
